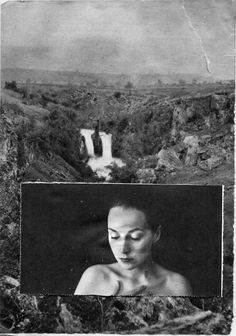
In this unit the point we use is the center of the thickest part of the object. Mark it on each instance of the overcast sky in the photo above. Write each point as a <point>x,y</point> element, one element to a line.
<point>129,36</point>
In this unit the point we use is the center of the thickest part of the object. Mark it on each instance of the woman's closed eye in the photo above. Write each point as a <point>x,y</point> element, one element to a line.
<point>131,237</point>
<point>114,237</point>
<point>136,237</point>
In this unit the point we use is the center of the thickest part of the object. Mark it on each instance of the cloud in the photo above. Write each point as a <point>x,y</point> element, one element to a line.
<point>118,36</point>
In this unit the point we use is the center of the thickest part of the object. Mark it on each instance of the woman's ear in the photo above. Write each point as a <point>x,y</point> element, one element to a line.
<point>157,234</point>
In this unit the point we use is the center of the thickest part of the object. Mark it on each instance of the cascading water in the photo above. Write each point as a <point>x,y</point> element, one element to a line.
<point>106,145</point>
<point>99,164</point>
<point>88,140</point>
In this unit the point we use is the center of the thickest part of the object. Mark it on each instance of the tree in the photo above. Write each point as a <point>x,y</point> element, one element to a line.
<point>182,82</point>
<point>11,86</point>
<point>129,85</point>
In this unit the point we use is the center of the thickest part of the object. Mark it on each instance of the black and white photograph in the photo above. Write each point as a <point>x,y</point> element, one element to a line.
<point>117,166</point>
<point>121,239</point>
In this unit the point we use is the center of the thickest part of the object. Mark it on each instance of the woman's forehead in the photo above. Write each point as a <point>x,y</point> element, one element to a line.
<point>129,218</point>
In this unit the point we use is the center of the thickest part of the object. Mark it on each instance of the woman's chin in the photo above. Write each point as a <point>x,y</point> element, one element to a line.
<point>127,264</point>
<point>127,267</point>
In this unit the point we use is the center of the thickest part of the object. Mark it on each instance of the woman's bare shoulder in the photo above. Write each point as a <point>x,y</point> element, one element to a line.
<point>93,281</point>
<point>178,284</point>
<point>175,283</point>
<point>100,270</point>
<point>95,270</point>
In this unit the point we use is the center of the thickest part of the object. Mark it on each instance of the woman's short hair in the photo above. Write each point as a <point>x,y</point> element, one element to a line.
<point>150,211</point>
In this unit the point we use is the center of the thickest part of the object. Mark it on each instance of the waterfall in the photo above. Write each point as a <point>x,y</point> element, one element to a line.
<point>106,145</point>
<point>99,164</point>
<point>88,140</point>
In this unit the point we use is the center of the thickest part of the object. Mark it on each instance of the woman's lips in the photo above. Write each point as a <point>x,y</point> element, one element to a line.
<point>126,259</point>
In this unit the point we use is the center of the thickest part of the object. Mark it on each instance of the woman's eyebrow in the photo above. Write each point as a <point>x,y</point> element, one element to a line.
<point>137,229</point>
<point>111,229</point>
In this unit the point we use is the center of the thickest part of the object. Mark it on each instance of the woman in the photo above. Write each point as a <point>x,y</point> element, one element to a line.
<point>131,237</point>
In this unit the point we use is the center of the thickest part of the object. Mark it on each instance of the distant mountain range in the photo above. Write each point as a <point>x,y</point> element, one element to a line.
<point>97,79</point>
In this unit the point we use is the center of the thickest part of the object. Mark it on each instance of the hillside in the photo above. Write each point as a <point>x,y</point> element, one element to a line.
<point>12,99</point>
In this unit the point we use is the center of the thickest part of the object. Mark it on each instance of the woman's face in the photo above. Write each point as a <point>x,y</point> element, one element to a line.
<point>130,237</point>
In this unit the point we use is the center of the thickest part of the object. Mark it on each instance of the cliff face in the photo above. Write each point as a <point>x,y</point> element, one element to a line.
<point>195,128</point>
<point>193,143</point>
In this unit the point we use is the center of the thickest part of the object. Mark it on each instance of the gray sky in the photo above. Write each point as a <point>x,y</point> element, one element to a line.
<point>129,36</point>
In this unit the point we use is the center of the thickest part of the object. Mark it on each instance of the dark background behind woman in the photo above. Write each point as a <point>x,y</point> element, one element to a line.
<point>64,231</point>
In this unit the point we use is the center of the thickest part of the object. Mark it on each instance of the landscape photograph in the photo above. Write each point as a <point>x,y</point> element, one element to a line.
<point>126,92</point>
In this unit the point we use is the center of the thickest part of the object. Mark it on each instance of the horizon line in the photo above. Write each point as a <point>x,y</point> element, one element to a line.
<point>170,73</point>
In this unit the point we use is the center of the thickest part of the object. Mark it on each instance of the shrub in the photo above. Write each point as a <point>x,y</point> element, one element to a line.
<point>126,174</point>
<point>11,86</point>
<point>117,94</point>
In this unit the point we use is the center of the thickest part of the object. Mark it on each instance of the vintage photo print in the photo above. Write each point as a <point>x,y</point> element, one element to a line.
<point>100,98</point>
<point>121,239</point>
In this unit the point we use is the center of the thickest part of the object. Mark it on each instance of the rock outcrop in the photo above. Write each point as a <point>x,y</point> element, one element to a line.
<point>169,160</point>
<point>97,141</point>
<point>192,145</point>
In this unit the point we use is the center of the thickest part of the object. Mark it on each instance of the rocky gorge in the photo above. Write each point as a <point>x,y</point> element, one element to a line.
<point>170,141</point>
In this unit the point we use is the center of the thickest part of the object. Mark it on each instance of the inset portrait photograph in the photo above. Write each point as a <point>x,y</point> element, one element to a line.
<point>121,239</point>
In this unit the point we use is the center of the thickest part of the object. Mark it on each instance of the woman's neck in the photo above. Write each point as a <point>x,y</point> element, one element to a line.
<point>139,274</point>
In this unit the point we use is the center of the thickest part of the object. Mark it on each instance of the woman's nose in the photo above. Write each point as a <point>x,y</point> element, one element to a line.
<point>125,247</point>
